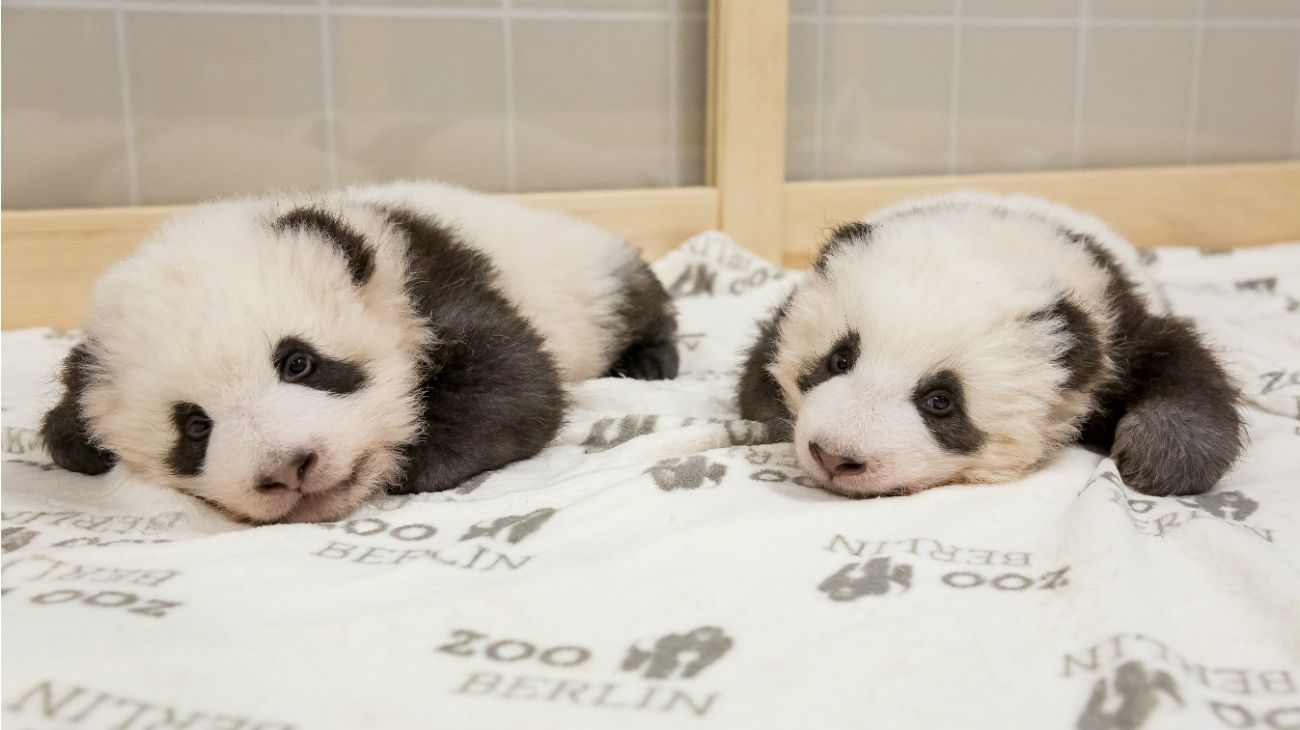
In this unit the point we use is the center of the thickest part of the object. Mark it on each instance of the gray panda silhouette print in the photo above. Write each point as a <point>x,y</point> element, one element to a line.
<point>688,473</point>
<point>678,656</point>
<point>875,577</point>
<point>1138,695</point>
<point>1232,505</point>
<point>516,527</point>
<point>15,538</point>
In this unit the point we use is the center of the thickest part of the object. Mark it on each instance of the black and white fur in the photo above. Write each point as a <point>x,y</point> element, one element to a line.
<point>283,358</point>
<point>967,337</point>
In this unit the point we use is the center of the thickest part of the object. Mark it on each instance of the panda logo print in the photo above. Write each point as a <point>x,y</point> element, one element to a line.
<point>1130,696</point>
<point>511,528</point>
<point>678,656</point>
<point>16,538</point>
<point>1233,505</point>
<point>875,577</point>
<point>691,472</point>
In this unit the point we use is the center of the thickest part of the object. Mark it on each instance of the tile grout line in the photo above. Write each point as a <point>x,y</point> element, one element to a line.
<point>1080,85</point>
<point>127,99</point>
<point>327,95</point>
<point>954,89</point>
<point>819,93</point>
<point>1194,100</point>
<point>508,69</point>
<point>674,134</point>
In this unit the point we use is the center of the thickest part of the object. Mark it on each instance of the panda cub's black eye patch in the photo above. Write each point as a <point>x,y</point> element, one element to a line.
<point>193,427</point>
<point>842,357</point>
<point>940,399</point>
<point>298,363</point>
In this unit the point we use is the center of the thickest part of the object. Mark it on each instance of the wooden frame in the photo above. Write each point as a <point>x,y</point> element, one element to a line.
<point>51,257</point>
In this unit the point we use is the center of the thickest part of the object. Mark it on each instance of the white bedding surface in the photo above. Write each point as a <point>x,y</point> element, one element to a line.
<point>655,569</point>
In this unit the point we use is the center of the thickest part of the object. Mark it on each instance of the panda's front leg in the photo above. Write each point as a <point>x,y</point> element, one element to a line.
<point>490,401</point>
<point>1179,429</point>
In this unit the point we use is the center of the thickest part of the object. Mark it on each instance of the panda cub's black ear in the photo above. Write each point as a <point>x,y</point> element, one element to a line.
<point>843,236</point>
<point>64,428</point>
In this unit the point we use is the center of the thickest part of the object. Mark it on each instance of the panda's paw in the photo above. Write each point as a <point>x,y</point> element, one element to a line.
<point>1164,450</point>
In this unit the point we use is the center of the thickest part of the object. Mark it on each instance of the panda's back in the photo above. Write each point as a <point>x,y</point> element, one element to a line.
<point>1035,211</point>
<point>562,274</point>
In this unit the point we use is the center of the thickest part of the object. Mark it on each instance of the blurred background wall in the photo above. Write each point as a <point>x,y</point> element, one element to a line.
<point>115,102</point>
<point>897,87</point>
<point>110,103</point>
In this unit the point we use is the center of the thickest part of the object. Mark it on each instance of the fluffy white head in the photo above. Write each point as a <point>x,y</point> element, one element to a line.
<point>941,344</point>
<point>242,360</point>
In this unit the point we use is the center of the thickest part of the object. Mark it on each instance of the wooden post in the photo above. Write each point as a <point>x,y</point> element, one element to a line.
<point>748,56</point>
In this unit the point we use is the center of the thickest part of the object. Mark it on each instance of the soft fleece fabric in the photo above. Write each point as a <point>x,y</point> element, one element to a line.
<point>661,567</point>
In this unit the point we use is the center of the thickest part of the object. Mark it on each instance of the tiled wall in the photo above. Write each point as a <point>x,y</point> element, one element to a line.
<point>111,102</point>
<point>898,87</point>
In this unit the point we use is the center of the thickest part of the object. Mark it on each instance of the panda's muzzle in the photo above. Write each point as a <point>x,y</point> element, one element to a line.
<point>298,473</point>
<point>836,465</point>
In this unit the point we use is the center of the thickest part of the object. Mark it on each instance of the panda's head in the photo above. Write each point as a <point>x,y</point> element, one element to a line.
<point>259,356</point>
<point>944,345</point>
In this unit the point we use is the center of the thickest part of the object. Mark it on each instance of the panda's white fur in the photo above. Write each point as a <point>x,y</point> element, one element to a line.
<point>1012,307</point>
<point>195,316</point>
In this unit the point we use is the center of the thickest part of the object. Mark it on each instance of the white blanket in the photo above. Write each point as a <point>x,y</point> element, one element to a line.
<point>658,568</point>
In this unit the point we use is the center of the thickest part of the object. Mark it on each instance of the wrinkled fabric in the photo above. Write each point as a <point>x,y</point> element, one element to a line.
<point>662,566</point>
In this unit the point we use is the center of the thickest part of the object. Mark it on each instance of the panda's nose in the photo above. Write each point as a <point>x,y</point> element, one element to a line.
<point>293,475</point>
<point>834,464</point>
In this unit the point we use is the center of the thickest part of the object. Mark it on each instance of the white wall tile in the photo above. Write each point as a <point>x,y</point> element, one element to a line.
<point>1137,97</point>
<point>595,119</point>
<point>877,120</point>
<point>1247,100</point>
<point>890,7</point>
<point>420,97</point>
<point>1020,8</point>
<point>1016,98</point>
<point>1164,9</point>
<point>655,5</point>
<point>63,132</point>
<point>691,100</point>
<point>802,105</point>
<point>226,104</point>
<point>1252,8</point>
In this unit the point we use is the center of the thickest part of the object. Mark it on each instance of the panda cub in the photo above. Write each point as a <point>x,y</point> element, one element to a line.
<point>967,337</point>
<point>282,358</point>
